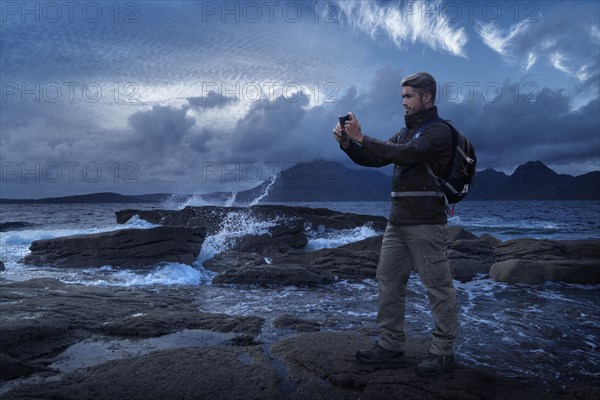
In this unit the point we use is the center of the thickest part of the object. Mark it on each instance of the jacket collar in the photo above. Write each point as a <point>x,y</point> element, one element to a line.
<point>414,120</point>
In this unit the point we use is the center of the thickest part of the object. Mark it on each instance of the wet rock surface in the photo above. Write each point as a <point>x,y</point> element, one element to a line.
<point>279,256</point>
<point>297,324</point>
<point>278,239</point>
<point>187,373</point>
<point>534,261</point>
<point>526,261</point>
<point>324,365</point>
<point>354,261</point>
<point>131,248</point>
<point>211,217</point>
<point>41,317</point>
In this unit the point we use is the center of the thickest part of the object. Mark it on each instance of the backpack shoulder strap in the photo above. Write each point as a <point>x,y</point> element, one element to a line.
<point>429,124</point>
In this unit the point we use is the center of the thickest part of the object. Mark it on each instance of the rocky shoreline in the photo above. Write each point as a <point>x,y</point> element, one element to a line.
<point>278,255</point>
<point>71,341</point>
<point>44,317</point>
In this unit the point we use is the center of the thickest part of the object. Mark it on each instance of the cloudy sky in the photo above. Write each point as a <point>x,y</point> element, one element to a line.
<point>192,97</point>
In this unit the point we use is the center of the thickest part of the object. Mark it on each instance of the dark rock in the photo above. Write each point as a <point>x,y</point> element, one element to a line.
<point>185,373</point>
<point>354,261</point>
<point>518,271</point>
<point>323,365</point>
<point>279,274</point>
<point>2,267</point>
<point>491,239</point>
<point>343,263</point>
<point>531,272</point>
<point>158,322</point>
<point>470,257</point>
<point>458,233</point>
<point>212,217</point>
<point>533,249</point>
<point>42,317</point>
<point>581,249</point>
<point>534,261</point>
<point>372,243</point>
<point>232,259</point>
<point>574,271</point>
<point>298,324</point>
<point>299,267</point>
<point>130,248</point>
<point>13,369</point>
<point>279,239</point>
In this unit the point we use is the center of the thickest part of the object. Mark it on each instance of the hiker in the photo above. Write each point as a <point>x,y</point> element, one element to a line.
<point>416,233</point>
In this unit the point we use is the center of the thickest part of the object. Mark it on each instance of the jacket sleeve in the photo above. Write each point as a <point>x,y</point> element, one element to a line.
<point>429,144</point>
<point>361,156</point>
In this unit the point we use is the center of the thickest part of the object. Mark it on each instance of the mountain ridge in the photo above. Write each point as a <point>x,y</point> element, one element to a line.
<point>330,181</point>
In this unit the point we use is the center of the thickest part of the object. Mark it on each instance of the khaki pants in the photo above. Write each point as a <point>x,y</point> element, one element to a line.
<point>421,248</point>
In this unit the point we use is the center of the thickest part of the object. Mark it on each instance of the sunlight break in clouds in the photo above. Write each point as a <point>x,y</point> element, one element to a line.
<point>421,22</point>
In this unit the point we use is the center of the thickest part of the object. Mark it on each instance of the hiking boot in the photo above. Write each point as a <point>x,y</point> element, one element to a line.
<point>434,365</point>
<point>378,354</point>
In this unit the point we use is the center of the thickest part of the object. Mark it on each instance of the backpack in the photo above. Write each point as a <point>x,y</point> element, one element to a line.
<point>461,168</point>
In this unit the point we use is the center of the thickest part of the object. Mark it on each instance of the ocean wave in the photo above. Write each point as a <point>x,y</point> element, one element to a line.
<point>324,238</point>
<point>164,275</point>
<point>15,226</point>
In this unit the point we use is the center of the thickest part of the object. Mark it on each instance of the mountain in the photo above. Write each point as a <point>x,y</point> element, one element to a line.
<point>331,181</point>
<point>534,181</point>
<point>106,197</point>
<point>323,181</point>
<point>318,181</point>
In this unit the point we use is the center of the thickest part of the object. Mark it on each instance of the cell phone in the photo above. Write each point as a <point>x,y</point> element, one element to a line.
<point>343,120</point>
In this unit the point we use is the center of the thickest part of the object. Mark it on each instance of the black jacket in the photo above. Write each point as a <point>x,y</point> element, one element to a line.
<point>410,156</point>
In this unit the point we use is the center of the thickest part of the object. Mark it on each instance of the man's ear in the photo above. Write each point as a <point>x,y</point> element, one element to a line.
<point>427,97</point>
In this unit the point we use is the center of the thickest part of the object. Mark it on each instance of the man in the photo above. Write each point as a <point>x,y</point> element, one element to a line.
<point>415,236</point>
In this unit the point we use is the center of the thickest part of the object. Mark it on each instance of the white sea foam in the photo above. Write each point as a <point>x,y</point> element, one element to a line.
<point>176,202</point>
<point>235,224</point>
<point>231,200</point>
<point>335,238</point>
<point>168,274</point>
<point>135,222</point>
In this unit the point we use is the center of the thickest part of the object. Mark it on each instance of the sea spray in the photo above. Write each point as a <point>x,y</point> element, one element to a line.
<point>265,193</point>
<point>231,200</point>
<point>196,200</point>
<point>329,238</point>
<point>235,225</point>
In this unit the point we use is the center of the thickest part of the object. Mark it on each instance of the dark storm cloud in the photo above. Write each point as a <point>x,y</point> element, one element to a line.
<point>268,125</point>
<point>520,128</point>
<point>160,128</point>
<point>509,125</point>
<point>200,141</point>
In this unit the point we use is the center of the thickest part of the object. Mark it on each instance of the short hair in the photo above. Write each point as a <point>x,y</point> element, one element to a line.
<point>422,81</point>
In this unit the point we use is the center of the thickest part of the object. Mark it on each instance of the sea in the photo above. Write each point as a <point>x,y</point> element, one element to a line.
<point>549,332</point>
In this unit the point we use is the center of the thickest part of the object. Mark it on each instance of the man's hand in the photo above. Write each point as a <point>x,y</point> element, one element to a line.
<point>340,136</point>
<point>353,130</point>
